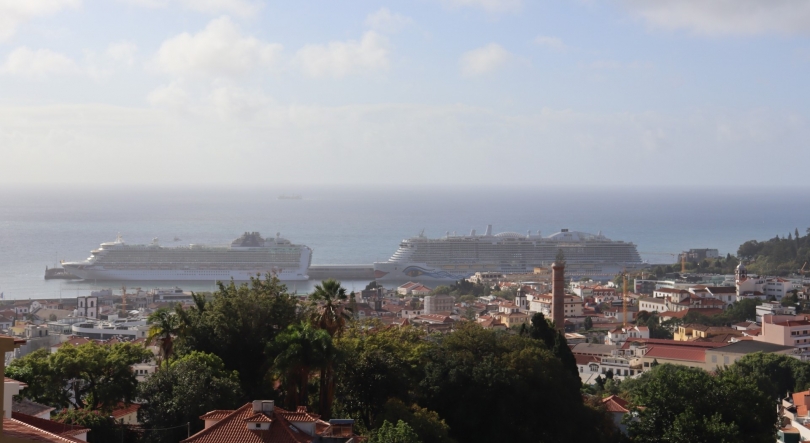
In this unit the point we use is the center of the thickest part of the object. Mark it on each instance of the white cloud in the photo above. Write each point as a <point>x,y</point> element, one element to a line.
<point>241,8</point>
<point>554,43</point>
<point>718,17</point>
<point>122,52</point>
<point>41,63</point>
<point>484,60</point>
<point>233,103</point>
<point>384,20</point>
<point>13,13</point>
<point>338,59</point>
<point>172,96</point>
<point>487,5</point>
<point>218,50</point>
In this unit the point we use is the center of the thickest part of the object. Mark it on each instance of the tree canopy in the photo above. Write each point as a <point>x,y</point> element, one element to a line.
<point>689,405</point>
<point>191,386</point>
<point>236,325</point>
<point>90,375</point>
<point>488,385</point>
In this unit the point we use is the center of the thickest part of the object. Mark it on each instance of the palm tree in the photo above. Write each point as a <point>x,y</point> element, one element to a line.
<point>330,317</point>
<point>164,325</point>
<point>299,349</point>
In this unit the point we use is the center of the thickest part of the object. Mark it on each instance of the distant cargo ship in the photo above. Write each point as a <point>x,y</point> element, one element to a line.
<point>290,197</point>
<point>455,257</point>
<point>248,255</point>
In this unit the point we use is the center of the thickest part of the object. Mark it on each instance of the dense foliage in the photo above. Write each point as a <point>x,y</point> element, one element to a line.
<point>775,374</point>
<point>102,428</point>
<point>89,375</point>
<point>490,386</point>
<point>399,433</point>
<point>192,386</point>
<point>689,405</point>
<point>236,325</point>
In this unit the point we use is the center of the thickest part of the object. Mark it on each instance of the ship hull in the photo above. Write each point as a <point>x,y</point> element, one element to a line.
<point>397,272</point>
<point>91,273</point>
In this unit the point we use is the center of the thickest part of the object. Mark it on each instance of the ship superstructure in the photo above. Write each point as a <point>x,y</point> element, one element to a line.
<point>454,257</point>
<point>248,255</point>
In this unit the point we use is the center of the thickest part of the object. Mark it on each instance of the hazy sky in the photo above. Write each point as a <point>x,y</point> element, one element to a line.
<point>526,92</point>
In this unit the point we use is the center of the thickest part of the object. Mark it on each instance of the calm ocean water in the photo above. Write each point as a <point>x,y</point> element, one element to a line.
<point>352,225</point>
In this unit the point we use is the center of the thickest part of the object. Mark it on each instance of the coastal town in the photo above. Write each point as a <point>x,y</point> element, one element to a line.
<point>615,330</point>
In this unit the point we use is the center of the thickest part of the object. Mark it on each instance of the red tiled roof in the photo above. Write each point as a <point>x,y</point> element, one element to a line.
<point>677,353</point>
<point>23,431</point>
<point>122,410</point>
<point>615,404</point>
<point>216,414</point>
<point>583,359</point>
<point>233,429</point>
<point>11,380</point>
<point>51,426</point>
<point>75,341</point>
<point>258,418</point>
<point>790,323</point>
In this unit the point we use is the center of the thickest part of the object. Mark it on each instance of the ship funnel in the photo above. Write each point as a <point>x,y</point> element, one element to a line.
<point>489,231</point>
<point>472,233</point>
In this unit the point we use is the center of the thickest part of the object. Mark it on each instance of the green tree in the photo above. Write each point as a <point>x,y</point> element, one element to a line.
<point>377,364</point>
<point>441,289</point>
<point>690,405</point>
<point>775,374</point>
<point>476,377</point>
<point>91,375</point>
<point>163,326</point>
<point>330,317</point>
<point>102,427</point>
<point>236,325</point>
<point>191,386</point>
<point>299,350</point>
<point>388,433</point>
<point>427,425</point>
<point>588,323</point>
<point>543,330</point>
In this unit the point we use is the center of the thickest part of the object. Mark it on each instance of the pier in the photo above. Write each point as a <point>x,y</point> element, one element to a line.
<point>341,272</point>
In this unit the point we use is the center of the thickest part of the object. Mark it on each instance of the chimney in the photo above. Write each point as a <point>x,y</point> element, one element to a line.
<point>558,295</point>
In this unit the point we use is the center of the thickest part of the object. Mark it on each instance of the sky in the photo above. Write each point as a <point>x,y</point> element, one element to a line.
<point>422,92</point>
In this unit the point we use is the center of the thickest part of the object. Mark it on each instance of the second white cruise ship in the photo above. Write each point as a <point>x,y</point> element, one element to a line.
<point>455,257</point>
<point>248,255</point>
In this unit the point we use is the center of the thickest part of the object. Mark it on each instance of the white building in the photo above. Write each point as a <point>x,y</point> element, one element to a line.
<point>87,306</point>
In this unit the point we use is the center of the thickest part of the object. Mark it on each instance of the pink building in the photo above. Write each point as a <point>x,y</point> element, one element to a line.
<point>786,330</point>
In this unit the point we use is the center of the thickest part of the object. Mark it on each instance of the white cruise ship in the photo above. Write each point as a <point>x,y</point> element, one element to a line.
<point>245,257</point>
<point>455,257</point>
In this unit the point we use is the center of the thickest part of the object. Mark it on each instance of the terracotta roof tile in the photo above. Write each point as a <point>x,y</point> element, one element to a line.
<point>28,407</point>
<point>615,404</point>
<point>51,426</point>
<point>23,431</point>
<point>217,414</point>
<point>233,429</point>
<point>122,410</point>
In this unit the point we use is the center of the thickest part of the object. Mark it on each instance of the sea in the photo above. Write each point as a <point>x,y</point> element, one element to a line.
<point>359,225</point>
